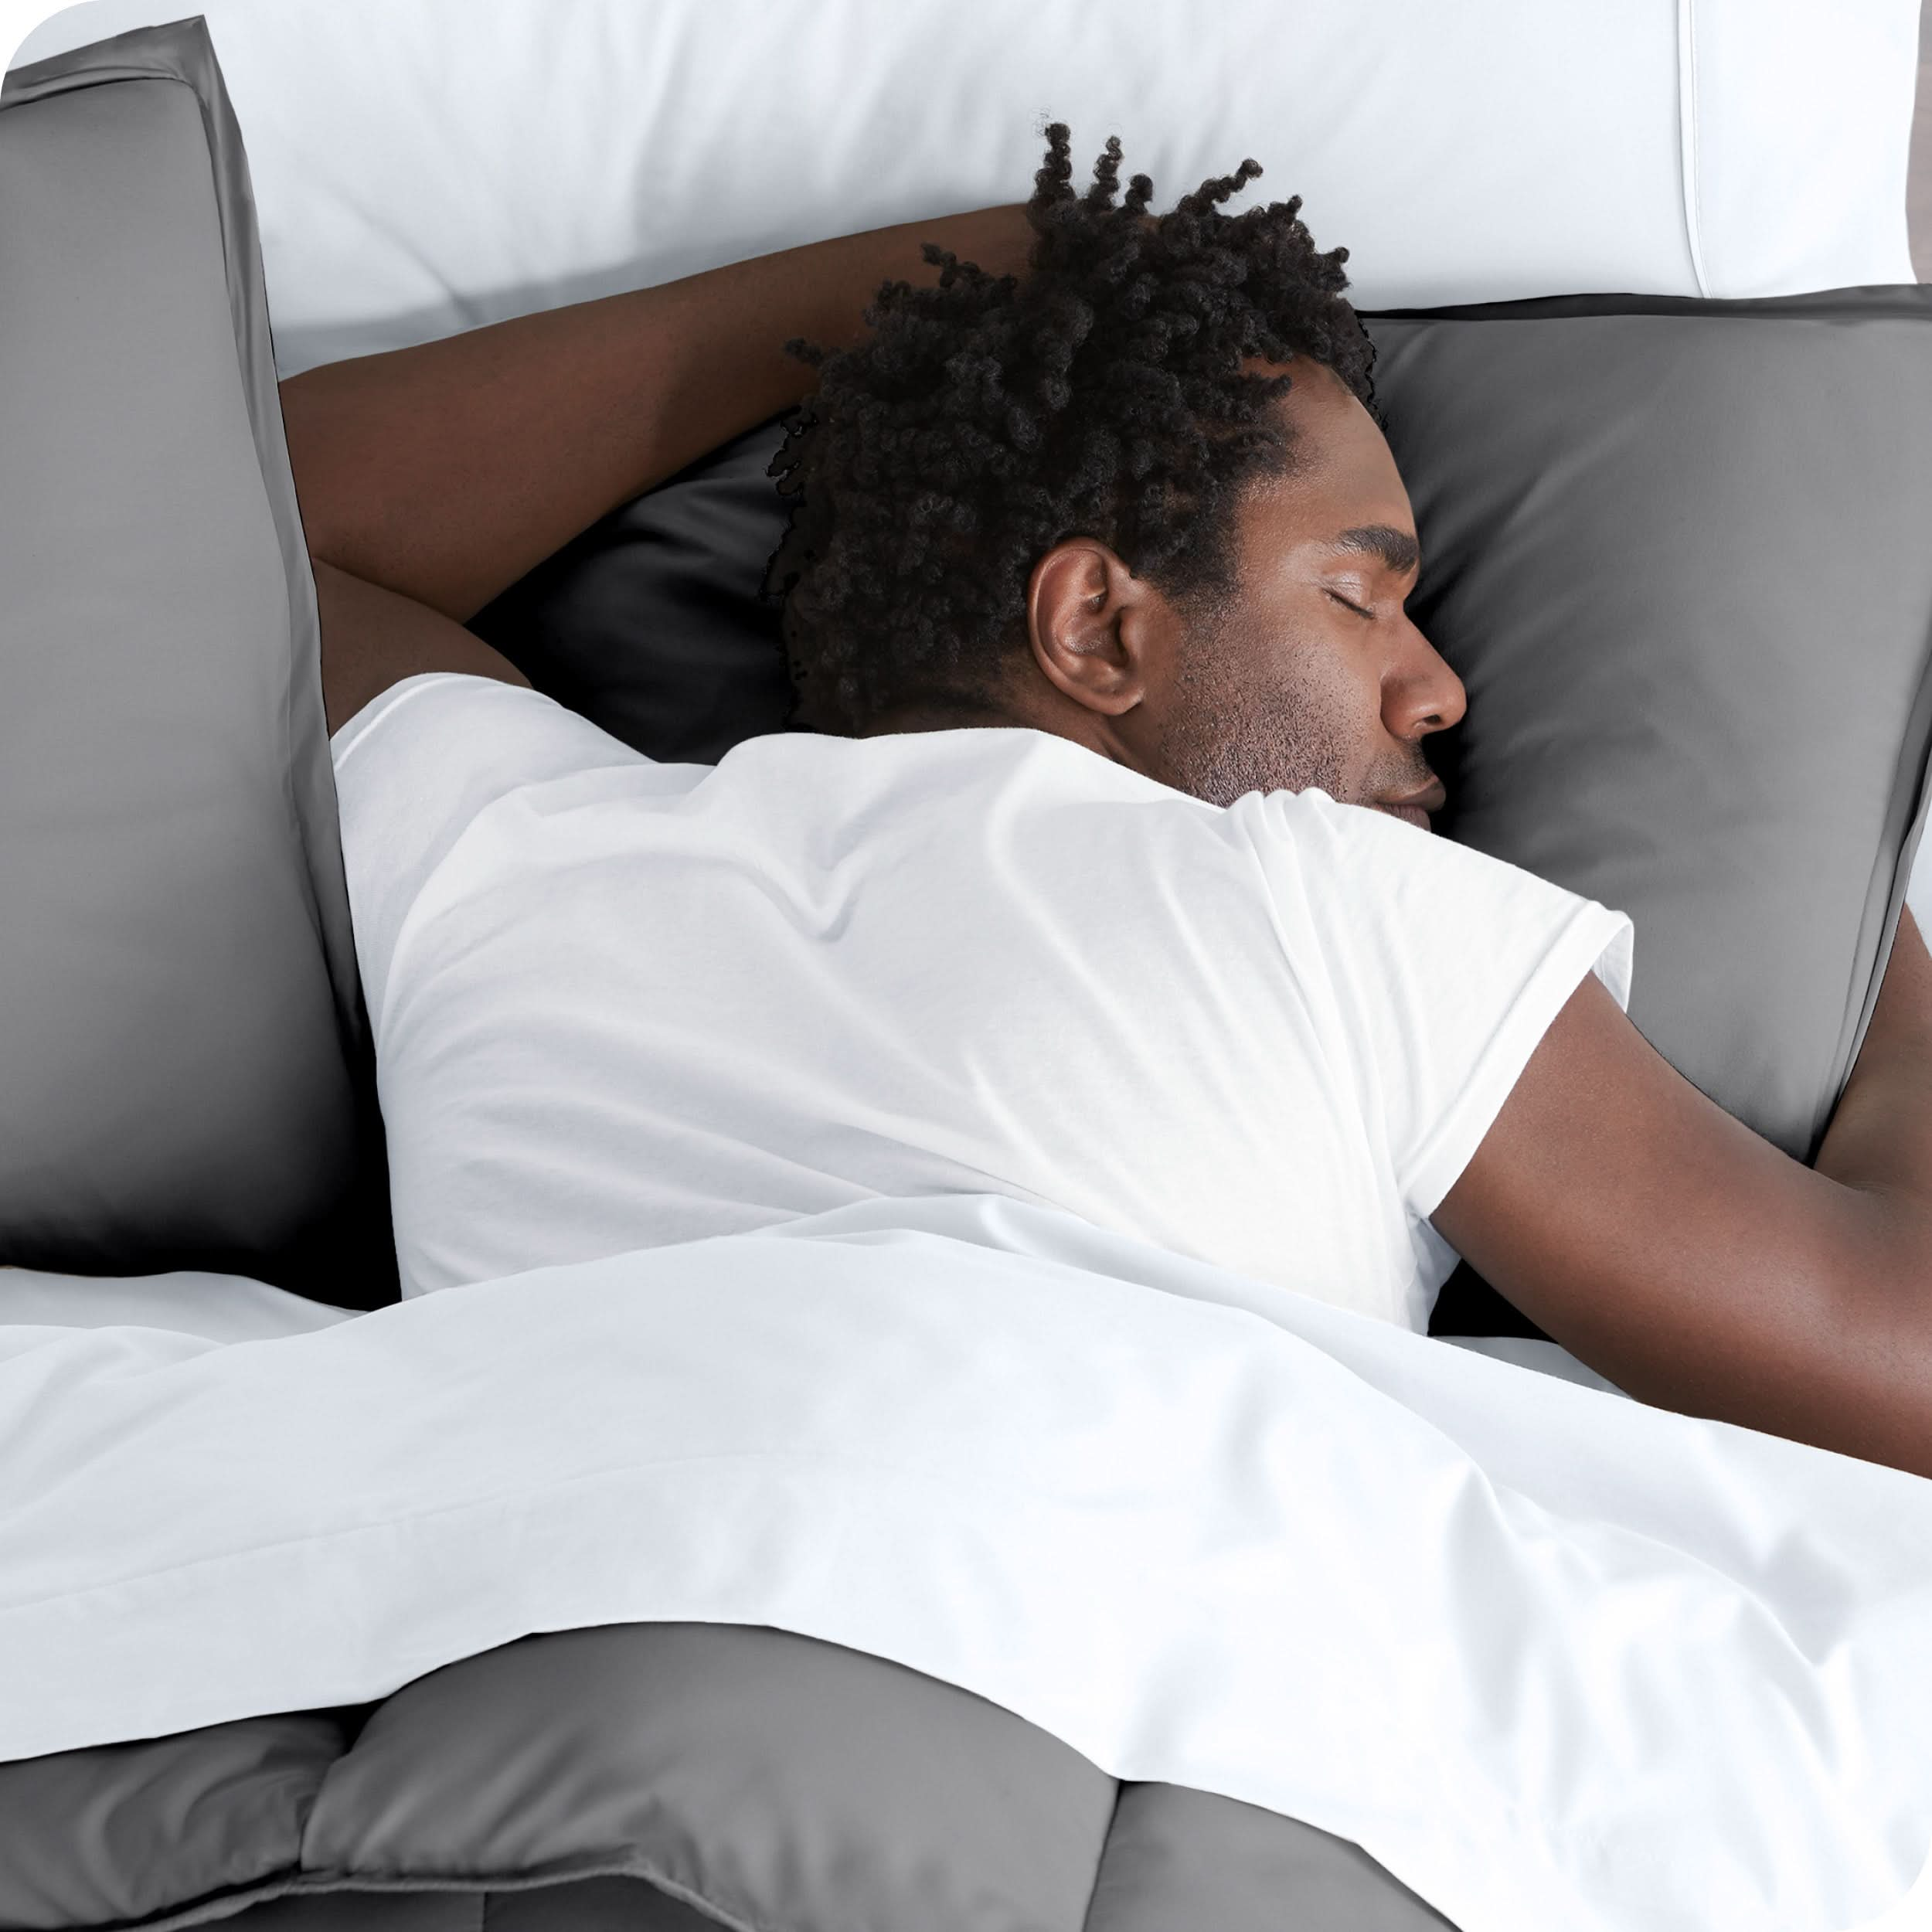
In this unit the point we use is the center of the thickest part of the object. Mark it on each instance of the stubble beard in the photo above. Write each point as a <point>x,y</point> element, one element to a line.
<point>1231,733</point>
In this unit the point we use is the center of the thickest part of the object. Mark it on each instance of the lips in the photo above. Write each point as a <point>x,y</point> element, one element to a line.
<point>1412,815</point>
<point>1415,806</point>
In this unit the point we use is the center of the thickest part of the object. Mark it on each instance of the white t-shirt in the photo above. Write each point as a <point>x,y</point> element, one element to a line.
<point>618,1003</point>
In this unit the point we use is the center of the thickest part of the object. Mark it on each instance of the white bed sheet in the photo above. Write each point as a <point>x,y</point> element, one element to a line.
<point>1552,1656</point>
<point>218,1308</point>
<point>233,1307</point>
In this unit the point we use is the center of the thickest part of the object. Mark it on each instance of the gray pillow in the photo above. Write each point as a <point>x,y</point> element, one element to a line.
<point>650,622</point>
<point>1674,548</point>
<point>184,1062</point>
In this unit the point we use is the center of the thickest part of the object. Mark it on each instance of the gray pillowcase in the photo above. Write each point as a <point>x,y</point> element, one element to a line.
<point>185,1061</point>
<point>651,623</point>
<point>1674,548</point>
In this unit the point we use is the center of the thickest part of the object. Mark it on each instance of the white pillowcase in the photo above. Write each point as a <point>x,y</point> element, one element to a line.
<point>422,167</point>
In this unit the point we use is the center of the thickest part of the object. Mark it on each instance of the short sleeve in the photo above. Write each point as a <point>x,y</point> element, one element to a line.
<point>1443,968</point>
<point>413,769</point>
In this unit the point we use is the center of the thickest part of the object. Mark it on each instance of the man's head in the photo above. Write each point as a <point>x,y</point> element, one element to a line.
<point>1134,497</point>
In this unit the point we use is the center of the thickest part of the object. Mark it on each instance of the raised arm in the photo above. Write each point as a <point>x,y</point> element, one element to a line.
<point>444,472</point>
<point>1702,1269</point>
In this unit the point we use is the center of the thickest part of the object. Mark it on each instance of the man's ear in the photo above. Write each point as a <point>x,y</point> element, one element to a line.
<point>1091,622</point>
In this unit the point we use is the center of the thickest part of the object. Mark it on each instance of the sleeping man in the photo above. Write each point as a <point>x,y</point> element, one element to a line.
<point>1096,870</point>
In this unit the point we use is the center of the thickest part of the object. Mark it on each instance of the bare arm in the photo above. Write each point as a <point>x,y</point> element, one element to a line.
<point>372,638</point>
<point>1703,1270</point>
<point>1880,1137</point>
<point>444,472</point>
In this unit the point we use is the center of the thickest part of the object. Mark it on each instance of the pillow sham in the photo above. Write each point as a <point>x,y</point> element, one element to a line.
<point>185,1061</point>
<point>1675,549</point>
<point>427,165</point>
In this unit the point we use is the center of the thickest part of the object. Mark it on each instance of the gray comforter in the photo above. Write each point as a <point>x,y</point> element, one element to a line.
<point>659,1777</point>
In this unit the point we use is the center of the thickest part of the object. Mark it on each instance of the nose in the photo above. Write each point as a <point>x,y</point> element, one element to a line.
<point>1420,693</point>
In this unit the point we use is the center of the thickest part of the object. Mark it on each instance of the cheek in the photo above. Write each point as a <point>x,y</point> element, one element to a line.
<point>1326,690</point>
<point>1329,665</point>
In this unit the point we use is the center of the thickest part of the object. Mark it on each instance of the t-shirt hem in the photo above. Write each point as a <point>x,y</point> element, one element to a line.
<point>354,730</point>
<point>1594,932</point>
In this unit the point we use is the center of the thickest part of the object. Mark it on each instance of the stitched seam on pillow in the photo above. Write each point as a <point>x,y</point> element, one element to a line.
<point>1687,144</point>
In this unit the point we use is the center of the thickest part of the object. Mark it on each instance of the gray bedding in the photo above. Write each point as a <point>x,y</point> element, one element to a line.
<point>185,1062</point>
<point>657,1777</point>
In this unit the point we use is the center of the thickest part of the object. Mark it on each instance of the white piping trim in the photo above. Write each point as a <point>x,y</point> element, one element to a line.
<point>1687,136</point>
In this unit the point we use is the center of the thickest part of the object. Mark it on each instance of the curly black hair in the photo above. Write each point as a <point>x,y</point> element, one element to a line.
<point>984,420</point>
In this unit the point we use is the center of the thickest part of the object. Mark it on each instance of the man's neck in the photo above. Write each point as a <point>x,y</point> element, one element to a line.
<point>947,717</point>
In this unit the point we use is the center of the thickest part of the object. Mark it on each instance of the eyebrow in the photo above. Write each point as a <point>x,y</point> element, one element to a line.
<point>1396,548</point>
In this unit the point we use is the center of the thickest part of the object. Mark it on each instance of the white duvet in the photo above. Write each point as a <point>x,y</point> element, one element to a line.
<point>1554,1658</point>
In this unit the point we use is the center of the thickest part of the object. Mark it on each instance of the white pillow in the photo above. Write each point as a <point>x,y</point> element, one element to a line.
<point>424,166</point>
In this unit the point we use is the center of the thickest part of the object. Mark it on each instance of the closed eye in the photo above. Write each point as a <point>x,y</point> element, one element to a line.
<point>1347,606</point>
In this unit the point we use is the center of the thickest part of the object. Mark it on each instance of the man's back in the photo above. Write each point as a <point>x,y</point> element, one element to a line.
<point>621,1003</point>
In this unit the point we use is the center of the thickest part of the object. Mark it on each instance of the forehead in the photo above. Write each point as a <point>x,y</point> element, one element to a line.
<point>1345,479</point>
